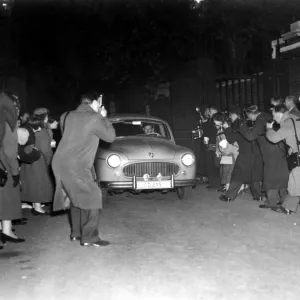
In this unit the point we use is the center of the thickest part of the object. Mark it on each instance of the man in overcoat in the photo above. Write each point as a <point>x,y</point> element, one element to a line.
<point>210,133</point>
<point>73,165</point>
<point>290,127</point>
<point>248,167</point>
<point>275,174</point>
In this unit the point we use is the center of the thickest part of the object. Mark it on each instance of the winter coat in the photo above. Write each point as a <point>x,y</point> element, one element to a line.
<point>43,144</point>
<point>210,131</point>
<point>10,203</point>
<point>295,111</point>
<point>248,165</point>
<point>8,115</point>
<point>74,158</point>
<point>287,133</point>
<point>37,185</point>
<point>275,175</point>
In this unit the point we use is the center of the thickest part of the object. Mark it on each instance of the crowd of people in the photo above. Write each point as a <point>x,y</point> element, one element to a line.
<point>32,176</point>
<point>25,158</point>
<point>256,151</point>
<point>245,150</point>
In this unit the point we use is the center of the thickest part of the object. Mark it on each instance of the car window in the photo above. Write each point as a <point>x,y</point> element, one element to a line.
<point>145,128</point>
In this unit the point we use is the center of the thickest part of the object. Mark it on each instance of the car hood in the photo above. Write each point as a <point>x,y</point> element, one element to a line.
<point>141,148</point>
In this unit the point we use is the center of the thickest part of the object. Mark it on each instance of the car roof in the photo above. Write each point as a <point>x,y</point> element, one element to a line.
<point>135,116</point>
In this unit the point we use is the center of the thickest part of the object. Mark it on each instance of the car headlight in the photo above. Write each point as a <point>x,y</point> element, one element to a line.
<point>187,159</point>
<point>114,161</point>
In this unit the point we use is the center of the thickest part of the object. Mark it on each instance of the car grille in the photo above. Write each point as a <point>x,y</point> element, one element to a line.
<point>151,168</point>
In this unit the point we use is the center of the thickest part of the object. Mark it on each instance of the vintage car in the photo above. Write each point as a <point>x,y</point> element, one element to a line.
<point>143,157</point>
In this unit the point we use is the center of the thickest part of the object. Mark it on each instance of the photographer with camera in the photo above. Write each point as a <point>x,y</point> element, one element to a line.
<point>275,171</point>
<point>73,167</point>
<point>248,166</point>
<point>224,156</point>
<point>209,139</point>
<point>289,132</point>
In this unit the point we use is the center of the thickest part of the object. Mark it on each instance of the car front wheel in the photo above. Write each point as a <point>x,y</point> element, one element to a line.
<point>184,193</point>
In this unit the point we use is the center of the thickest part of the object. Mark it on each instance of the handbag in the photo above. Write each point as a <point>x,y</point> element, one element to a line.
<point>3,175</point>
<point>293,160</point>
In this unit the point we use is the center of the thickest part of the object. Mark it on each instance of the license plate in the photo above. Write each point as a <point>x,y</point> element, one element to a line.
<point>153,185</point>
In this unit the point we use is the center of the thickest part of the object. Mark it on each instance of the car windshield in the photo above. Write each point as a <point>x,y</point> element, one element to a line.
<point>145,128</point>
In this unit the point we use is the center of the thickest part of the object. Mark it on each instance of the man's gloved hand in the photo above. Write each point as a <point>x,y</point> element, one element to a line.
<point>16,180</point>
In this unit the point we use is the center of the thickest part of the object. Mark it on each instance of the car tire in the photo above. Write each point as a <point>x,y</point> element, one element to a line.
<point>184,193</point>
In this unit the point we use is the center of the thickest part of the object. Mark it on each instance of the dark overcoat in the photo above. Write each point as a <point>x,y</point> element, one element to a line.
<point>210,131</point>
<point>8,115</point>
<point>249,165</point>
<point>10,203</point>
<point>275,174</point>
<point>37,185</point>
<point>74,158</point>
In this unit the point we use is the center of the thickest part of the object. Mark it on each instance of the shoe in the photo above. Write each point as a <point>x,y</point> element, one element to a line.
<point>22,221</point>
<point>38,213</point>
<point>25,205</point>
<point>283,210</point>
<point>7,238</point>
<point>263,206</point>
<point>225,198</point>
<point>101,243</point>
<point>74,238</point>
<point>222,190</point>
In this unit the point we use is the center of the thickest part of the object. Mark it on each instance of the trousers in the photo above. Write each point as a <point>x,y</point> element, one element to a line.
<point>84,224</point>
<point>274,195</point>
<point>212,170</point>
<point>235,186</point>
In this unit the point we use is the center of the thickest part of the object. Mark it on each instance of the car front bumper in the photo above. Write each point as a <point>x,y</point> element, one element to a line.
<point>129,185</point>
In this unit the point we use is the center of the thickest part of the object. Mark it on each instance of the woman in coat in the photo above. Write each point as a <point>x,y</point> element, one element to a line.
<point>10,204</point>
<point>49,124</point>
<point>37,186</point>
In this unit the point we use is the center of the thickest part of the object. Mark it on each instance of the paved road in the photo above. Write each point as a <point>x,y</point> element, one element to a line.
<point>162,249</point>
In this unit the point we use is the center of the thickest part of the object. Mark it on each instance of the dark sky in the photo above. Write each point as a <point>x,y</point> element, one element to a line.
<point>109,40</point>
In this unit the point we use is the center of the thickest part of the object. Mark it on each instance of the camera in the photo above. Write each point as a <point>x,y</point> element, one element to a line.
<point>227,118</point>
<point>197,132</point>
